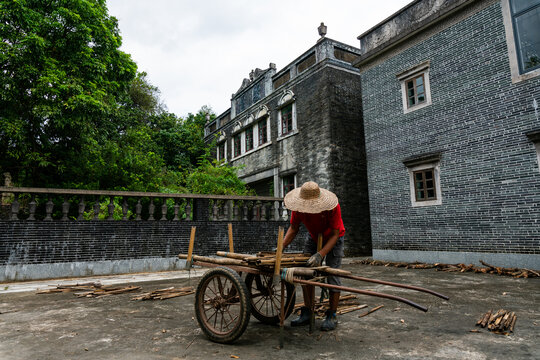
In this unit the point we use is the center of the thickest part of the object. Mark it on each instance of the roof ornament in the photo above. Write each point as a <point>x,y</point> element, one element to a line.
<point>322,30</point>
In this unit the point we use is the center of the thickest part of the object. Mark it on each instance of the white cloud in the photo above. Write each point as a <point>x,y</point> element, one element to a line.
<point>198,52</point>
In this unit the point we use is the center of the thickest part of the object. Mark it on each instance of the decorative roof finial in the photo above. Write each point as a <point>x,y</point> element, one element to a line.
<point>322,30</point>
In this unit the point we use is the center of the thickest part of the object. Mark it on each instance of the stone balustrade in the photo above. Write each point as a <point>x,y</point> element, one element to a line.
<point>31,204</point>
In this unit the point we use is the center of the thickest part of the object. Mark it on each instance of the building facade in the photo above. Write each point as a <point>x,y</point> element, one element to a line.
<point>302,123</point>
<point>450,94</point>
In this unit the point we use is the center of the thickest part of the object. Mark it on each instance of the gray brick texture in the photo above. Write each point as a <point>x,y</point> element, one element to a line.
<point>489,173</point>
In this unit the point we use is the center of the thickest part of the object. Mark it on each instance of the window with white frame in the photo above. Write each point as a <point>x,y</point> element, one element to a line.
<point>534,137</point>
<point>288,183</point>
<point>262,131</point>
<point>287,115</point>
<point>237,145</point>
<point>522,24</point>
<point>424,180</point>
<point>222,151</point>
<point>526,22</point>
<point>415,88</point>
<point>248,137</point>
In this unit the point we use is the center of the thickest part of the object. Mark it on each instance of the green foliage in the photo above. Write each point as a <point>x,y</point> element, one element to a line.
<point>216,178</point>
<point>62,75</point>
<point>75,113</point>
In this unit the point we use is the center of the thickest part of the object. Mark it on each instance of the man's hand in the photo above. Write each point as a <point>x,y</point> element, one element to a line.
<point>315,260</point>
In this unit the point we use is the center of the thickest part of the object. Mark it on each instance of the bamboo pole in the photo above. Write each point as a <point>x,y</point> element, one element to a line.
<point>212,260</point>
<point>278,256</point>
<point>363,292</point>
<point>190,248</point>
<point>231,244</point>
<point>244,257</point>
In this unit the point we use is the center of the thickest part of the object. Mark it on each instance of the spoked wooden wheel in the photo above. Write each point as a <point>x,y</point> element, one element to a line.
<point>222,305</point>
<point>266,298</point>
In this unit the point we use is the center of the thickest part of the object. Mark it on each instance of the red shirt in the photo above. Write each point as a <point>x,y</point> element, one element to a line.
<point>321,223</point>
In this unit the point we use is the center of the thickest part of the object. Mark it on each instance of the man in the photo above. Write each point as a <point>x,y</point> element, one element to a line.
<point>318,209</point>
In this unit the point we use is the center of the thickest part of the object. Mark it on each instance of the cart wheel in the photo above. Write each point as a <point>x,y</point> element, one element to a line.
<point>222,305</point>
<point>266,298</point>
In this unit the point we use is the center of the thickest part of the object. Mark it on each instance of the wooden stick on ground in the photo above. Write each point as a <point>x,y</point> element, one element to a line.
<point>370,311</point>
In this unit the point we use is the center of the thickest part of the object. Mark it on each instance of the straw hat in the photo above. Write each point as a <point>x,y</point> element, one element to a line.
<point>310,198</point>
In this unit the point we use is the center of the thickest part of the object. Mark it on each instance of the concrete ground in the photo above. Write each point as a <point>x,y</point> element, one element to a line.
<point>63,326</point>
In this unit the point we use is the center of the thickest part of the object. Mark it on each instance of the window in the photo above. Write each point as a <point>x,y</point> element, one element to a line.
<point>237,145</point>
<point>288,183</point>
<point>286,120</point>
<point>221,152</point>
<point>263,132</point>
<point>526,23</point>
<point>416,91</point>
<point>249,138</point>
<point>415,87</point>
<point>424,185</point>
<point>424,178</point>
<point>521,20</point>
<point>534,136</point>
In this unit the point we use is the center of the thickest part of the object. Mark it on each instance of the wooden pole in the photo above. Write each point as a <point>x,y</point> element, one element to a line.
<point>278,256</point>
<point>363,292</point>
<point>231,247</point>
<point>190,248</point>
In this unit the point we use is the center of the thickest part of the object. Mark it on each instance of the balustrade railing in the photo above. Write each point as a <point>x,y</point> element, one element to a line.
<point>80,205</point>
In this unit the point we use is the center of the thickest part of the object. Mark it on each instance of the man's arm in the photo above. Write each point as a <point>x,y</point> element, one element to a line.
<point>290,235</point>
<point>332,241</point>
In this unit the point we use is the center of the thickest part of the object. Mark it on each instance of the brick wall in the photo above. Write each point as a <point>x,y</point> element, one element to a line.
<point>27,243</point>
<point>478,119</point>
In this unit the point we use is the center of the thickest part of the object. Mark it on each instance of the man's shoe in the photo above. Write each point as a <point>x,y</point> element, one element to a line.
<point>303,319</point>
<point>330,322</point>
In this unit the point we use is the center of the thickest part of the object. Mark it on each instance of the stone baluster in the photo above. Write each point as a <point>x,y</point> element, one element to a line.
<point>96,208</point>
<point>263,211</point>
<point>138,209</point>
<point>215,211</point>
<point>257,211</point>
<point>32,208</point>
<point>124,209</point>
<point>65,209</point>
<point>187,209</point>
<point>151,209</point>
<point>236,211</point>
<point>226,207</point>
<point>285,215</point>
<point>176,209</point>
<point>15,208</point>
<point>164,210</point>
<point>49,209</point>
<point>245,211</point>
<point>81,209</point>
<point>275,210</point>
<point>110,208</point>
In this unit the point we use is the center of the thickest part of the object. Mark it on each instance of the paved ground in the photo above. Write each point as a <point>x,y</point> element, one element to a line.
<point>62,326</point>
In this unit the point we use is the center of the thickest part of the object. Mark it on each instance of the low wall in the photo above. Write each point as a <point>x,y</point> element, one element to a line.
<point>39,249</point>
<point>54,233</point>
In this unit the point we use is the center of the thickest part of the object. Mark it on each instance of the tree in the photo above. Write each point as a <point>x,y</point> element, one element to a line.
<point>215,178</point>
<point>62,76</point>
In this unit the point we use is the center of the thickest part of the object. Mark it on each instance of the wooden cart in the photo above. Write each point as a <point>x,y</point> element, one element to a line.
<point>224,301</point>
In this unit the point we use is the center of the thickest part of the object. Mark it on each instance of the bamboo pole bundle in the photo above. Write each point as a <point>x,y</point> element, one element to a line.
<point>501,322</point>
<point>167,293</point>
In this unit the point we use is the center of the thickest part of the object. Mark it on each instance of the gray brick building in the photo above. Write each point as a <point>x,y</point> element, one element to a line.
<point>301,123</point>
<point>450,94</point>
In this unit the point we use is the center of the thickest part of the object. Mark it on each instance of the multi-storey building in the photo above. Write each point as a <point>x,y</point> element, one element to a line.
<point>450,94</point>
<point>301,123</point>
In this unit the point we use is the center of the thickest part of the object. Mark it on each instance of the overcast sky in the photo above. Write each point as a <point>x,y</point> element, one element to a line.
<point>198,52</point>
